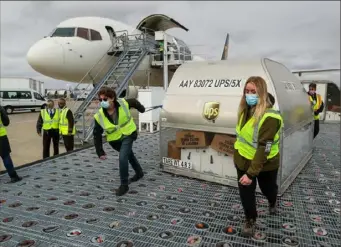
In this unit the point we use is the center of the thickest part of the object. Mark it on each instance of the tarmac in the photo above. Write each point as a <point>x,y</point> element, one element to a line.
<point>25,143</point>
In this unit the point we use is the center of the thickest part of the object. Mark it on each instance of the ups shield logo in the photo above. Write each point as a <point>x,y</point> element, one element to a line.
<point>211,110</point>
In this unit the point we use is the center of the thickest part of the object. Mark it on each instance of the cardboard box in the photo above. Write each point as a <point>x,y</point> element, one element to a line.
<point>193,139</point>
<point>223,143</point>
<point>173,151</point>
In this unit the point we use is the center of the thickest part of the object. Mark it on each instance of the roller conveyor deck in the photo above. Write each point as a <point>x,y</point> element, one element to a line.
<point>68,201</point>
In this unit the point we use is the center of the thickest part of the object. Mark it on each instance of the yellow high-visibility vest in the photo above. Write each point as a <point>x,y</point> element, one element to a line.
<point>316,104</point>
<point>247,137</point>
<point>64,123</point>
<point>3,131</point>
<point>125,126</point>
<point>49,123</point>
<point>161,46</point>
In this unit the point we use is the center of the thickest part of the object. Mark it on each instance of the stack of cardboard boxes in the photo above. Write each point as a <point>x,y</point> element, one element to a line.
<point>198,139</point>
<point>208,152</point>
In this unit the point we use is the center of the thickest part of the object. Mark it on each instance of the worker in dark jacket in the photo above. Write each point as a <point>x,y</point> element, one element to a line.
<point>317,106</point>
<point>161,48</point>
<point>5,148</point>
<point>257,156</point>
<point>66,125</point>
<point>115,120</point>
<point>48,120</point>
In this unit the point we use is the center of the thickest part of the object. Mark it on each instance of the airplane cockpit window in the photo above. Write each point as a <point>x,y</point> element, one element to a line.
<point>83,33</point>
<point>64,32</point>
<point>95,35</point>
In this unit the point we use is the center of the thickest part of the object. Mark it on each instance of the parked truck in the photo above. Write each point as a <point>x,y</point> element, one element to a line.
<point>24,83</point>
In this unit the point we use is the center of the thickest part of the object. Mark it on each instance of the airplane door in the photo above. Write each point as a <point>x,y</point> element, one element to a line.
<point>112,34</point>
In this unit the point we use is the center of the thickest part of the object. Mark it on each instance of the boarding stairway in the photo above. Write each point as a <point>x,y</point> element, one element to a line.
<point>129,50</point>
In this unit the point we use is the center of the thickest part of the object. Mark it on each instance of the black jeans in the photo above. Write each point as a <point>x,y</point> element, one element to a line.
<point>68,142</point>
<point>125,149</point>
<point>316,127</point>
<point>267,182</point>
<point>49,135</point>
<point>8,163</point>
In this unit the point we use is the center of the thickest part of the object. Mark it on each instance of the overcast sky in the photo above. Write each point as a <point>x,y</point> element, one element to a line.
<point>301,35</point>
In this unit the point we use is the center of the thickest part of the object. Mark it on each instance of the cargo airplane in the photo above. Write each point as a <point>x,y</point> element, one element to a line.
<point>77,44</point>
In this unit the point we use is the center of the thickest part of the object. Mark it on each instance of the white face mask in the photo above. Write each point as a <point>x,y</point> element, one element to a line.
<point>251,99</point>
<point>105,104</point>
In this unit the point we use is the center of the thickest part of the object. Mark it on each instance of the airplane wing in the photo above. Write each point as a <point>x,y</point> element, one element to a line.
<point>159,22</point>
<point>300,72</point>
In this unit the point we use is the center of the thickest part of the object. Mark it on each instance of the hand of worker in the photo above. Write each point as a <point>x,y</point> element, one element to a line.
<point>244,180</point>
<point>39,134</point>
<point>103,157</point>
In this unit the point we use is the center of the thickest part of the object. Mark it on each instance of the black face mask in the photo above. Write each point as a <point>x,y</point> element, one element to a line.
<point>61,106</point>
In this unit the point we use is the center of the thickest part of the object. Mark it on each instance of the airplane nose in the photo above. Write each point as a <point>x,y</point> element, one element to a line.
<point>46,57</point>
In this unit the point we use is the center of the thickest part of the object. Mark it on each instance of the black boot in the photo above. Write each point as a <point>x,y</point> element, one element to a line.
<point>122,190</point>
<point>15,178</point>
<point>136,177</point>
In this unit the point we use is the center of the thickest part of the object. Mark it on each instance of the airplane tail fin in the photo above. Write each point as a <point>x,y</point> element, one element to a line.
<point>226,48</point>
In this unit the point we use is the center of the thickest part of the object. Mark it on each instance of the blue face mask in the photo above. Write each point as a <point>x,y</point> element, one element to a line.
<point>104,104</point>
<point>251,99</point>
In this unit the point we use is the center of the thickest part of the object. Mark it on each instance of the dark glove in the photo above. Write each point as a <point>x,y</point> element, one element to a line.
<point>142,110</point>
<point>316,113</point>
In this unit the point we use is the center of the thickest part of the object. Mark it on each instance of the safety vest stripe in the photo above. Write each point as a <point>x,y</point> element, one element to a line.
<point>63,117</point>
<point>101,122</point>
<point>256,132</point>
<point>253,144</point>
<point>126,111</point>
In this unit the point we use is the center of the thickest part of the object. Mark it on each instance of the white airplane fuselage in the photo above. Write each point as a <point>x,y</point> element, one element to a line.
<point>65,56</point>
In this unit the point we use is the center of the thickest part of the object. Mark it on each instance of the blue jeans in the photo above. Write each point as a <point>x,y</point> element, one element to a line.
<point>125,149</point>
<point>8,163</point>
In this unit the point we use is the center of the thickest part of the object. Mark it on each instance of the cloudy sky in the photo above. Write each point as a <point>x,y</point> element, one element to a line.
<point>301,35</point>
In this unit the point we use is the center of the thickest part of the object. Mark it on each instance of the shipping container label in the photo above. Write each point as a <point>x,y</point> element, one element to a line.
<point>218,83</point>
<point>177,163</point>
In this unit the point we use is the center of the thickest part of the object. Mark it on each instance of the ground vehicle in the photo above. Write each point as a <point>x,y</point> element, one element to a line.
<point>20,99</point>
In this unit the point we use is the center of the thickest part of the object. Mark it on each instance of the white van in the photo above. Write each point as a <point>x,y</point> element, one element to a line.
<point>21,99</point>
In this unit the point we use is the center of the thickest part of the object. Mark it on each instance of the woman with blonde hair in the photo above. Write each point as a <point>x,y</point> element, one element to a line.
<point>257,149</point>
